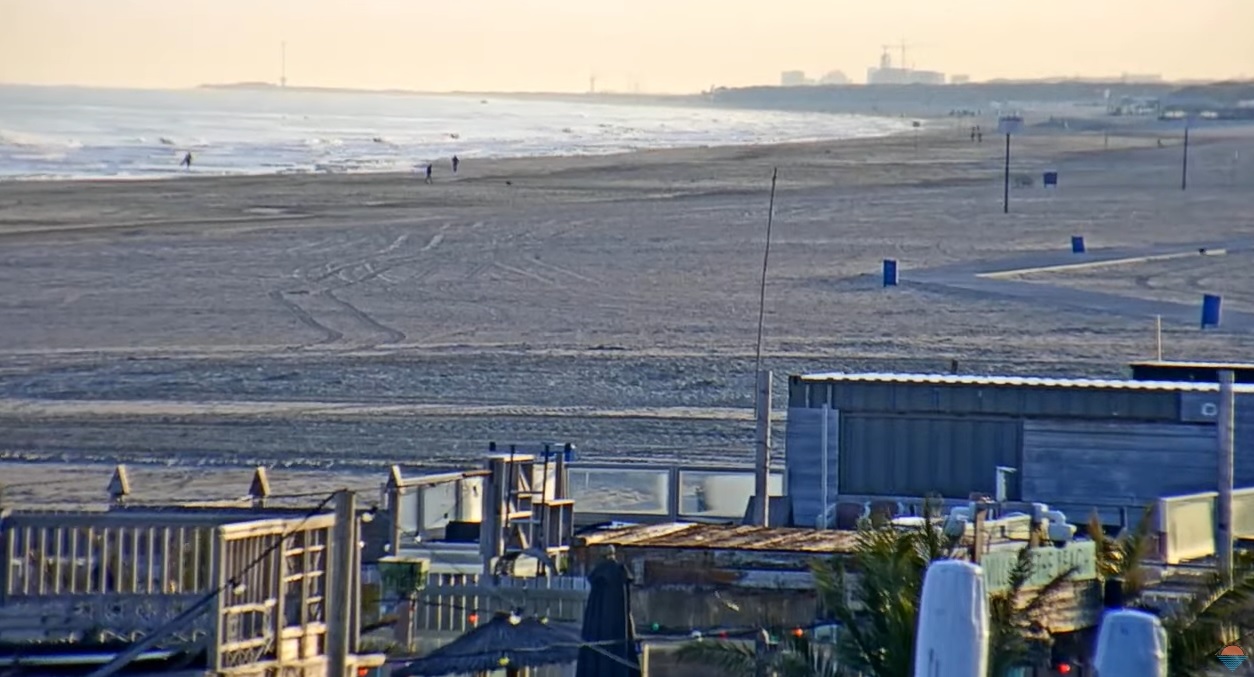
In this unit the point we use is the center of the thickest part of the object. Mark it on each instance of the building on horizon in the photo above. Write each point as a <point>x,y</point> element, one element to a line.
<point>887,74</point>
<point>834,78</point>
<point>794,79</point>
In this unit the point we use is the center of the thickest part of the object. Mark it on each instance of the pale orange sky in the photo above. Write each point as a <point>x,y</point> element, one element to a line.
<point>659,45</point>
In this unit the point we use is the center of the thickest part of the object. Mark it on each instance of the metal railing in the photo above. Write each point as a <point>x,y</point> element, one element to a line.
<point>636,492</point>
<point>1186,523</point>
<point>423,506</point>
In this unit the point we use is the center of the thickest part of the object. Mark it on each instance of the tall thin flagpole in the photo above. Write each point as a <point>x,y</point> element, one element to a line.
<point>766,257</point>
<point>762,389</point>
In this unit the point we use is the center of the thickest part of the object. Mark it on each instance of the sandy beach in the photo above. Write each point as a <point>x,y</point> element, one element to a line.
<point>347,322</point>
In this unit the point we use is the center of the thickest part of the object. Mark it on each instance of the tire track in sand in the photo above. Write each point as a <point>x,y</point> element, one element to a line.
<point>305,318</point>
<point>394,336</point>
<point>347,271</point>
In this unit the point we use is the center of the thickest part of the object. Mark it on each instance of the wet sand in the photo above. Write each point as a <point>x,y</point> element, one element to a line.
<point>344,323</point>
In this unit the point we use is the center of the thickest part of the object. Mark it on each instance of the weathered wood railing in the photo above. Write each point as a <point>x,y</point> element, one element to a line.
<point>126,573</point>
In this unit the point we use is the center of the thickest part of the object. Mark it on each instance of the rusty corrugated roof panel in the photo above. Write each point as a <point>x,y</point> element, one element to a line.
<point>725,537</point>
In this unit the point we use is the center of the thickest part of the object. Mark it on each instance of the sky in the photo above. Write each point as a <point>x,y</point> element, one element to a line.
<point>646,45</point>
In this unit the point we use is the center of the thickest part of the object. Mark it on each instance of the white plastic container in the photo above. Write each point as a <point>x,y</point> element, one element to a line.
<point>1131,644</point>
<point>952,640</point>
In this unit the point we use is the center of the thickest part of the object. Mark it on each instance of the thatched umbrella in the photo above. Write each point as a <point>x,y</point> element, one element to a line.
<point>507,641</point>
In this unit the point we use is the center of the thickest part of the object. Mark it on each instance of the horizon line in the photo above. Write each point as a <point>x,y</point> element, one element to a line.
<point>261,84</point>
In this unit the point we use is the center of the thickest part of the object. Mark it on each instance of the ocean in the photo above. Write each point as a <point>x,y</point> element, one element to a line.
<point>73,133</point>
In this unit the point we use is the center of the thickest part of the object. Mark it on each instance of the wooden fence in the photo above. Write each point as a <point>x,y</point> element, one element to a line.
<point>124,574</point>
<point>455,603</point>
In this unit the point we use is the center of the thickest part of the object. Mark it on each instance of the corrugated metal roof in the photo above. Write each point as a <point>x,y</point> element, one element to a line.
<point>1197,365</point>
<point>725,537</point>
<point>1024,381</point>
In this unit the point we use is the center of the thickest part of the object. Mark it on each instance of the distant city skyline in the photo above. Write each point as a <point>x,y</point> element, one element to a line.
<point>627,45</point>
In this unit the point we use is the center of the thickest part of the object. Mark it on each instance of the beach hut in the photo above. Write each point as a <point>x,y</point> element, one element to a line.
<point>508,642</point>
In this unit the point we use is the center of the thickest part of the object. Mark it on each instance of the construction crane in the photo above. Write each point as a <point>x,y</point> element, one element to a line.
<point>886,62</point>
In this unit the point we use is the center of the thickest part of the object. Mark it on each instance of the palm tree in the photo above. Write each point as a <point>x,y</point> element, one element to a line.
<point>1214,616</point>
<point>1017,630</point>
<point>797,657</point>
<point>878,610</point>
<point>1123,557</point>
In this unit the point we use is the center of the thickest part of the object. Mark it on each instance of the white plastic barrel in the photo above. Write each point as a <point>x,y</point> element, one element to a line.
<point>952,640</point>
<point>1131,644</point>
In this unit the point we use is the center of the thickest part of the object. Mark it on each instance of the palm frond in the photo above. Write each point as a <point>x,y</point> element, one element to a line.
<point>799,657</point>
<point>1016,613</point>
<point>1135,547</point>
<point>1105,547</point>
<point>1214,616</point>
<point>855,646</point>
<point>731,658</point>
<point>877,638</point>
<point>1021,572</point>
<point>1045,595</point>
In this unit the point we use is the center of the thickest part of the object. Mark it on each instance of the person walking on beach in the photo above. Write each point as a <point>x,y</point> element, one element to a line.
<point>455,163</point>
<point>428,180</point>
<point>187,160</point>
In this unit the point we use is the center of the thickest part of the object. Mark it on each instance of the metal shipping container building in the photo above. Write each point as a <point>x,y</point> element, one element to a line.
<point>1075,444</point>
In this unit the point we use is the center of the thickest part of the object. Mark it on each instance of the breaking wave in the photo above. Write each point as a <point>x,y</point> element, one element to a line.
<point>54,133</point>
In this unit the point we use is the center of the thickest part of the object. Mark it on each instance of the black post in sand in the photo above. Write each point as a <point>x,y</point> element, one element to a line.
<point>1008,124</point>
<point>1184,163</point>
<point>1005,199</point>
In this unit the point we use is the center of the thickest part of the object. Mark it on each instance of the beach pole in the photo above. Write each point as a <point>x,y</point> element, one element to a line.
<point>1006,183</point>
<point>762,390</point>
<point>1184,163</point>
<point>1158,336</point>
<point>1226,430</point>
<point>1008,125</point>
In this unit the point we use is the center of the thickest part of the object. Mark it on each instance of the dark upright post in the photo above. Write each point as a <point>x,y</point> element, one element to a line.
<point>1005,201</point>
<point>1184,164</point>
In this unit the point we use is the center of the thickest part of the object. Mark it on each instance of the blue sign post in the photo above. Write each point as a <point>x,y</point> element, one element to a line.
<point>1212,309</point>
<point>890,272</point>
<point>1077,244</point>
